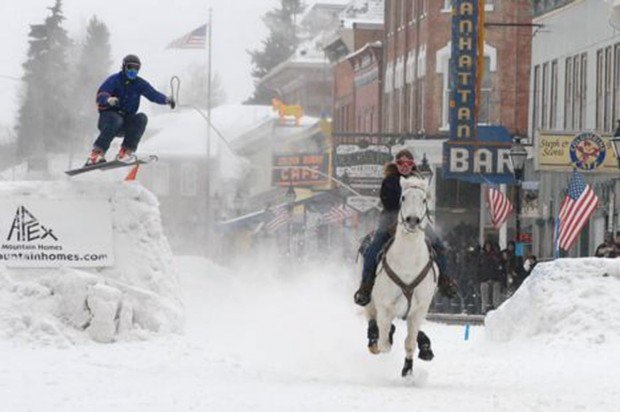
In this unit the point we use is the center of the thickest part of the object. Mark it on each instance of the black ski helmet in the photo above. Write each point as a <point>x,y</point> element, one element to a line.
<point>131,59</point>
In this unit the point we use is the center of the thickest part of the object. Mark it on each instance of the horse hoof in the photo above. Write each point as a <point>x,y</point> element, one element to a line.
<point>407,368</point>
<point>374,349</point>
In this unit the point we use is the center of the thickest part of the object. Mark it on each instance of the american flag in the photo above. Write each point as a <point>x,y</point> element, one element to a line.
<point>499,206</point>
<point>579,203</point>
<point>338,214</point>
<point>195,39</point>
<point>277,217</point>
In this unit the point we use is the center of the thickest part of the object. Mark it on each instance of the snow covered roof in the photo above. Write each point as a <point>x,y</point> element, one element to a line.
<point>363,11</point>
<point>183,133</point>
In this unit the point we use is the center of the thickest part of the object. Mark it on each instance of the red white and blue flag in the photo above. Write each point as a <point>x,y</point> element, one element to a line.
<point>579,203</point>
<point>338,214</point>
<point>499,206</point>
<point>196,39</point>
<point>277,217</point>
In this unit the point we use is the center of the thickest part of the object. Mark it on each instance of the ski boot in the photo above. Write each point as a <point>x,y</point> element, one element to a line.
<point>96,156</point>
<point>125,155</point>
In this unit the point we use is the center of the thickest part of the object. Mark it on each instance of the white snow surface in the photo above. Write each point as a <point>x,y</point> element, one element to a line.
<point>137,298</point>
<point>262,338</point>
<point>563,300</point>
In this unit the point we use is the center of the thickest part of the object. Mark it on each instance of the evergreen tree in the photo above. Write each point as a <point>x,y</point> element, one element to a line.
<point>93,67</point>
<point>44,113</point>
<point>280,44</point>
<point>195,91</point>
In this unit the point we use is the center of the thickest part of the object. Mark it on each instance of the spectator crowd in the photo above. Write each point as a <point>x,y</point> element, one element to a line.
<point>487,276</point>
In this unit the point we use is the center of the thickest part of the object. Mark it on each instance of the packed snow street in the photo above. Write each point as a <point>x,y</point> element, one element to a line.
<point>310,205</point>
<point>306,351</point>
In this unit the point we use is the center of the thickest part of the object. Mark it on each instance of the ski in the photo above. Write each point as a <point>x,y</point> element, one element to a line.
<point>113,164</point>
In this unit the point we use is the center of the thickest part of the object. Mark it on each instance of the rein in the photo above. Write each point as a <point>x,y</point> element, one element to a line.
<point>408,289</point>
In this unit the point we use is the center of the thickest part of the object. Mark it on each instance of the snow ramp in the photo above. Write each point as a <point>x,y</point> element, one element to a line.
<point>132,292</point>
<point>564,300</point>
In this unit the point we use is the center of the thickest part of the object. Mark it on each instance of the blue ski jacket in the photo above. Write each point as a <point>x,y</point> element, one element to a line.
<point>128,93</point>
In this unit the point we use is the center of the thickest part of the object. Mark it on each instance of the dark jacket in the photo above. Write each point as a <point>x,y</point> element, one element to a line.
<point>489,266</point>
<point>607,250</point>
<point>128,93</point>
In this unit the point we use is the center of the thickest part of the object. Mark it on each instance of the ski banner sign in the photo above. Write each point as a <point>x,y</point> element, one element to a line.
<point>43,233</point>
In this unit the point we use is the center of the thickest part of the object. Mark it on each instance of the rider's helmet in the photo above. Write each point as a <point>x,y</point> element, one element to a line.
<point>131,66</point>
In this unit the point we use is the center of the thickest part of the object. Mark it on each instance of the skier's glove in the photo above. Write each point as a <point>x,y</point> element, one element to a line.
<point>112,101</point>
<point>170,101</point>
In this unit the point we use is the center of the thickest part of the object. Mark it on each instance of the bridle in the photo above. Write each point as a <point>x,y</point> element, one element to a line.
<point>401,218</point>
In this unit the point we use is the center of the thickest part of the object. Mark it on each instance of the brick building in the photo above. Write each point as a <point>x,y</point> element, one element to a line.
<point>416,88</point>
<point>417,52</point>
<point>366,64</point>
<point>361,26</point>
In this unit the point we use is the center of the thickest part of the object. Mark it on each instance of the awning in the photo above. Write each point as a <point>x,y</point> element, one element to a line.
<point>319,202</point>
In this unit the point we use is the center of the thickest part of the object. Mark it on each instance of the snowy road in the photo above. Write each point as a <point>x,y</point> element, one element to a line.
<point>259,342</point>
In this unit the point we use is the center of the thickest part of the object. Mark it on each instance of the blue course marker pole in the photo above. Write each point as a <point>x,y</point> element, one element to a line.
<point>467,331</point>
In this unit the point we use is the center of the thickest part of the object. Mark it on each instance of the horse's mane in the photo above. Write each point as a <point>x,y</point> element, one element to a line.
<point>414,181</point>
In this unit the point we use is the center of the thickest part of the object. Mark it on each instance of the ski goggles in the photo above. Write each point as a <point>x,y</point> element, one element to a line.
<point>132,66</point>
<point>404,162</point>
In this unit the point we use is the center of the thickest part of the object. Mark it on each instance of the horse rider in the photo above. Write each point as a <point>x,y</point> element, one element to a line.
<point>388,219</point>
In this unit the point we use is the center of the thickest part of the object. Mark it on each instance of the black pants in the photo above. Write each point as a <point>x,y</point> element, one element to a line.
<point>112,124</point>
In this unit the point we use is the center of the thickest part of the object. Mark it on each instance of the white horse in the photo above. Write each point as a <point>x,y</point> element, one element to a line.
<point>407,274</point>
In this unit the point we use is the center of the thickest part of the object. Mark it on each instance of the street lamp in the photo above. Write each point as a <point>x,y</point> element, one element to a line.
<point>343,186</point>
<point>518,156</point>
<point>290,198</point>
<point>615,142</point>
<point>425,169</point>
<point>290,195</point>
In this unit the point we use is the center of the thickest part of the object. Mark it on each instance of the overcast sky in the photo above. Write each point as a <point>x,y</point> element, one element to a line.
<point>143,27</point>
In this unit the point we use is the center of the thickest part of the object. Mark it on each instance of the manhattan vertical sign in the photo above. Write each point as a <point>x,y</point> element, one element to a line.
<point>474,153</point>
<point>463,70</point>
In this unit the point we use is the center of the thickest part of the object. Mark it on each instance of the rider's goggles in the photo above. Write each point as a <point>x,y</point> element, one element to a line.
<point>404,162</point>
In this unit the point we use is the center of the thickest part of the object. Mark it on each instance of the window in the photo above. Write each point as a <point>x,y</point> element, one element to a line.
<point>568,94</point>
<point>484,111</point>
<point>576,93</point>
<point>583,88</point>
<point>616,86</point>
<point>599,90</point>
<point>607,118</point>
<point>553,98</point>
<point>161,184</point>
<point>544,97</point>
<point>189,178</point>
<point>535,96</point>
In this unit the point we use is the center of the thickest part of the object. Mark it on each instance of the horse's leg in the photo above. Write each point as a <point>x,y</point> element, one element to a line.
<point>414,321</point>
<point>384,321</point>
<point>373,331</point>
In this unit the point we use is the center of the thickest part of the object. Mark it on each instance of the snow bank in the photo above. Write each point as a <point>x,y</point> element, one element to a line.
<point>563,300</point>
<point>135,298</point>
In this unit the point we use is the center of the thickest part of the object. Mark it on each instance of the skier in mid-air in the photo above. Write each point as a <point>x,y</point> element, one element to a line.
<point>118,100</point>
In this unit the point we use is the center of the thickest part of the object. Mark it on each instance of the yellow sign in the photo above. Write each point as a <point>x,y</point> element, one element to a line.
<point>585,151</point>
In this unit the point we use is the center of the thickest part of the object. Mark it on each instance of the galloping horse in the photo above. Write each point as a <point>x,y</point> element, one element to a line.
<point>284,110</point>
<point>407,274</point>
